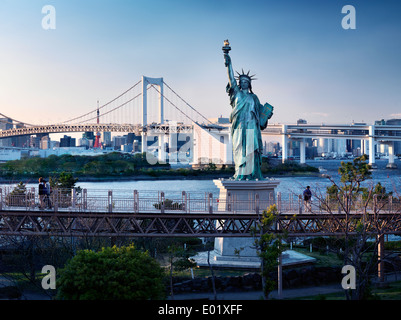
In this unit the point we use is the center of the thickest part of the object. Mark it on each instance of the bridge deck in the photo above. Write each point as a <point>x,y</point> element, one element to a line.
<point>80,214</point>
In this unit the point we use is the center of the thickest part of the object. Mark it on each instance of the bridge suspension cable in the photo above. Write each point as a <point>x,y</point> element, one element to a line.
<point>132,112</point>
<point>168,100</point>
<point>13,120</point>
<point>185,102</point>
<point>105,105</point>
<point>115,108</point>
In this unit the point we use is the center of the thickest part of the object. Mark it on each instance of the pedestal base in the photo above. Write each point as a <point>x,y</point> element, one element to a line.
<point>244,197</point>
<point>289,258</point>
<point>391,166</point>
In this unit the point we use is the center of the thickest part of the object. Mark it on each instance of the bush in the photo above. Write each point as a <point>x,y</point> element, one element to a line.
<point>113,273</point>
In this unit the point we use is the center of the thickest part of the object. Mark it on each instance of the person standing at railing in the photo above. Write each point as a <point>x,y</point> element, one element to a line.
<point>307,199</point>
<point>42,193</point>
<point>47,201</point>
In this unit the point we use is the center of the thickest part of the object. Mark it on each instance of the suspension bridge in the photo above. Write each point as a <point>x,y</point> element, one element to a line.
<point>151,108</point>
<point>132,111</point>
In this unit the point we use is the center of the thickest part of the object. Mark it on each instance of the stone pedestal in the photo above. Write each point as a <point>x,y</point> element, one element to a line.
<point>391,166</point>
<point>246,196</point>
<point>242,197</point>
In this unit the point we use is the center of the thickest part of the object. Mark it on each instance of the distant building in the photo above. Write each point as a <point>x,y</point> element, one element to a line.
<point>391,122</point>
<point>220,120</point>
<point>44,142</point>
<point>107,142</point>
<point>119,141</point>
<point>67,142</point>
<point>212,144</point>
<point>6,124</point>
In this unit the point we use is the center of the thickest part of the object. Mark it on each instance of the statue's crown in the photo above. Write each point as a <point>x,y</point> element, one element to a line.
<point>245,75</point>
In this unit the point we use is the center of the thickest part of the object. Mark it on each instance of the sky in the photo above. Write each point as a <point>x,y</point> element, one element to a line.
<point>306,64</point>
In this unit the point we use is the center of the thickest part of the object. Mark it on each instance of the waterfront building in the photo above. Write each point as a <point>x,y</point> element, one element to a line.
<point>212,144</point>
<point>67,142</point>
<point>106,138</point>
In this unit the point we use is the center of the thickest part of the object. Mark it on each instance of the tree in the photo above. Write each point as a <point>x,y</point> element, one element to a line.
<point>19,197</point>
<point>64,181</point>
<point>112,273</point>
<point>179,259</point>
<point>359,221</point>
<point>268,247</point>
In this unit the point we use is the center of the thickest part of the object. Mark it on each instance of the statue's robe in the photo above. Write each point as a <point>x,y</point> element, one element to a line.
<point>248,117</point>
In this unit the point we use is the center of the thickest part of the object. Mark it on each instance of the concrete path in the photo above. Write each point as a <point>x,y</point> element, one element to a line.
<point>286,293</point>
<point>258,295</point>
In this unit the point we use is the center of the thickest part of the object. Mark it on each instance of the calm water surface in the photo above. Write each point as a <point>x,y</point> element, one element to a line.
<point>390,178</point>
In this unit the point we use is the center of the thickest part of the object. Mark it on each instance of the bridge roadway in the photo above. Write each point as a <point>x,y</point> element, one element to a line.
<point>173,223</point>
<point>125,213</point>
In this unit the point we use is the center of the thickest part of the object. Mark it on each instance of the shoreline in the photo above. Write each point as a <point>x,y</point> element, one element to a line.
<point>162,177</point>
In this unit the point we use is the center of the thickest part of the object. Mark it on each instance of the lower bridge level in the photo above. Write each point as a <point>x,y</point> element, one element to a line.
<point>92,224</point>
<point>72,213</point>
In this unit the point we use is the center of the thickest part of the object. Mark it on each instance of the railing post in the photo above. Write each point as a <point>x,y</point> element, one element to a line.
<point>279,202</point>
<point>32,198</point>
<point>85,198</point>
<point>228,201</point>
<point>210,198</point>
<point>162,203</point>
<point>136,201</point>
<point>73,198</point>
<point>1,199</point>
<point>110,201</point>
<point>299,204</point>
<point>257,203</point>
<point>55,199</point>
<point>184,201</point>
<point>390,204</point>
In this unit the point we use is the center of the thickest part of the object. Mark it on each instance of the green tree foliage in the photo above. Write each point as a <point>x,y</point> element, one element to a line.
<point>112,273</point>
<point>179,260</point>
<point>18,197</point>
<point>65,181</point>
<point>268,246</point>
<point>289,166</point>
<point>114,163</point>
<point>350,196</point>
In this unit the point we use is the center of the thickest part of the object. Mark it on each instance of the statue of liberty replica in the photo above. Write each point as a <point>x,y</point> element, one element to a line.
<point>248,117</point>
<point>247,191</point>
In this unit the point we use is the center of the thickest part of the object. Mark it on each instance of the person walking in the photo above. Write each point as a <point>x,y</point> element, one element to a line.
<point>47,201</point>
<point>307,199</point>
<point>42,193</point>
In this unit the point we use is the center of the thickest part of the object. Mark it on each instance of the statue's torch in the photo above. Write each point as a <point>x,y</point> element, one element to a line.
<point>226,48</point>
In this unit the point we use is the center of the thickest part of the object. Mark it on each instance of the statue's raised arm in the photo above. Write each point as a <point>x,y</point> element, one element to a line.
<point>227,59</point>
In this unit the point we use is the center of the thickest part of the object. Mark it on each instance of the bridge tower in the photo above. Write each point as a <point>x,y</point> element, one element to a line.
<point>97,140</point>
<point>145,82</point>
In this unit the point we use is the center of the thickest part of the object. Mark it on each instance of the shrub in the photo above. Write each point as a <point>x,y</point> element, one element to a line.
<point>112,273</point>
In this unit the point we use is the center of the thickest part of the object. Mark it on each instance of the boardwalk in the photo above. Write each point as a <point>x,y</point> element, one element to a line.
<point>90,213</point>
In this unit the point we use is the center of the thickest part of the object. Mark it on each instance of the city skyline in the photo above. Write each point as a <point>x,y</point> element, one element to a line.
<point>306,64</point>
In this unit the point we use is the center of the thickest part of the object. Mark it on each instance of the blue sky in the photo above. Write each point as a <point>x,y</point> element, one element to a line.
<point>306,64</point>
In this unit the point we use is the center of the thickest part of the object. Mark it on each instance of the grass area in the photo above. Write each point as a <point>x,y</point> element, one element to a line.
<point>392,291</point>
<point>322,259</point>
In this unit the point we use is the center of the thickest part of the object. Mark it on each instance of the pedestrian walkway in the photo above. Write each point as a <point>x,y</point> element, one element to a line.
<point>258,295</point>
<point>285,294</point>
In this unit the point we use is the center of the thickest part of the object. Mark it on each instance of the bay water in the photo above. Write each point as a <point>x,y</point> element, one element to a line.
<point>389,178</point>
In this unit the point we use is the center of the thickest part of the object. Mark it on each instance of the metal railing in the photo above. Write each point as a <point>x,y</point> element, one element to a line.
<point>134,201</point>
